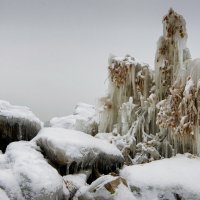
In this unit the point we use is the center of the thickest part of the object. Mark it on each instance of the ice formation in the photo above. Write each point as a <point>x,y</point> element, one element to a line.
<point>179,111</point>
<point>129,81</point>
<point>158,110</point>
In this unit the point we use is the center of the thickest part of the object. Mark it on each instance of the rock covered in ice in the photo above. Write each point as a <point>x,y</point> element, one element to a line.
<point>25,174</point>
<point>84,119</point>
<point>165,179</point>
<point>17,123</point>
<point>106,187</point>
<point>76,150</point>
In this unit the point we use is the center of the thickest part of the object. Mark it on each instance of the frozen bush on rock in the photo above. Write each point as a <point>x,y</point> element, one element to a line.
<point>158,110</point>
<point>17,123</point>
<point>74,150</point>
<point>179,109</point>
<point>127,78</point>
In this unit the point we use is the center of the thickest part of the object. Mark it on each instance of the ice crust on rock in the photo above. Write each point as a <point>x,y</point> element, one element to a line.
<point>165,179</point>
<point>25,174</point>
<point>76,150</point>
<point>17,123</point>
<point>84,119</point>
<point>72,183</point>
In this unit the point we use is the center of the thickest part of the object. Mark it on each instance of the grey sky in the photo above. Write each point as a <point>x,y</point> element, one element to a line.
<point>54,54</point>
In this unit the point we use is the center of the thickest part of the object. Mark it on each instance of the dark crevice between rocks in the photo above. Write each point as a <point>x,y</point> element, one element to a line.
<point>4,142</point>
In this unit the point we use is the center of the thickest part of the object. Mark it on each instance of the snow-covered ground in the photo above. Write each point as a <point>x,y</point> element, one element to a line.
<point>165,179</point>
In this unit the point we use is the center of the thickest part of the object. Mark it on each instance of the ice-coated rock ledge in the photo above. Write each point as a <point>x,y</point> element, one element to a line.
<point>26,175</point>
<point>76,150</point>
<point>20,112</point>
<point>17,123</point>
<point>174,178</point>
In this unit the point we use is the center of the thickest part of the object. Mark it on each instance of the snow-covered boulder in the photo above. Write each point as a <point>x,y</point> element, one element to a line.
<point>17,123</point>
<point>26,175</point>
<point>74,150</point>
<point>174,178</point>
<point>106,187</point>
<point>84,119</point>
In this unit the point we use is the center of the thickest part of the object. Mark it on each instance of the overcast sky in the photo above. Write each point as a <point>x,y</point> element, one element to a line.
<point>53,54</point>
